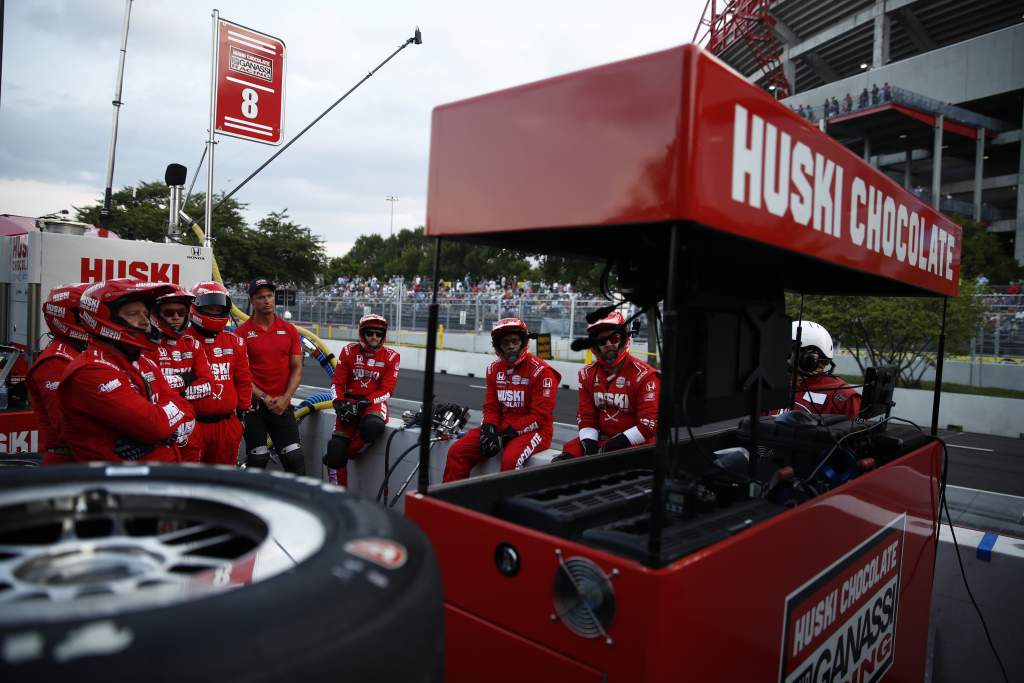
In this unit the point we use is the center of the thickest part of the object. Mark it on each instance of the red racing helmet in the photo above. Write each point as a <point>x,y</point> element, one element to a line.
<point>505,326</point>
<point>375,322</point>
<point>207,294</point>
<point>101,302</point>
<point>180,295</point>
<point>613,322</point>
<point>60,311</point>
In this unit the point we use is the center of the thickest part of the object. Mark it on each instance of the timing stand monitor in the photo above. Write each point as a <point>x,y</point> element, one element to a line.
<point>879,385</point>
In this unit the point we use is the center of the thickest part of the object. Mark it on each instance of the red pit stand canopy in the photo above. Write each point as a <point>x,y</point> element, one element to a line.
<point>678,137</point>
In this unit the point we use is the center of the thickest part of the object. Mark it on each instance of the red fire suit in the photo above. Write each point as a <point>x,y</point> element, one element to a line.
<point>218,430</point>
<point>520,397</point>
<point>619,401</point>
<point>175,358</point>
<point>359,375</point>
<point>118,410</point>
<point>43,380</point>
<point>826,395</point>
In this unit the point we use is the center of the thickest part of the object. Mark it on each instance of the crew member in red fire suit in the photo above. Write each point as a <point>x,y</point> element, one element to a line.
<point>818,391</point>
<point>275,359</point>
<point>219,415</point>
<point>183,364</point>
<point>60,311</point>
<point>518,410</point>
<point>364,380</point>
<point>115,402</point>
<point>618,395</point>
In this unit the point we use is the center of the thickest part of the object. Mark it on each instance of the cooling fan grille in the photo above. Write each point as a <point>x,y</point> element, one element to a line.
<point>584,597</point>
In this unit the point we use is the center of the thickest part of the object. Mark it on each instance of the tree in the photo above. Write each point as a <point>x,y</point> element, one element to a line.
<point>285,251</point>
<point>983,253</point>
<point>277,247</point>
<point>900,331</point>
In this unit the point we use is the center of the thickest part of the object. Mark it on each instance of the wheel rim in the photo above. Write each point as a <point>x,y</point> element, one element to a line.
<point>78,549</point>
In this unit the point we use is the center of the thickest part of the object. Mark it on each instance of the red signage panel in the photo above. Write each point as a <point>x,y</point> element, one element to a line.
<point>677,136</point>
<point>250,84</point>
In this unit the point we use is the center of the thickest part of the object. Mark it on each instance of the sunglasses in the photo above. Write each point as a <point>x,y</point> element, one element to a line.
<point>173,312</point>
<point>613,338</point>
<point>373,333</point>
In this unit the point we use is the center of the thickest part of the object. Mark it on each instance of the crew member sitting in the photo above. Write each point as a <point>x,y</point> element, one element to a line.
<point>364,380</point>
<point>519,410</point>
<point>618,395</point>
<point>818,391</point>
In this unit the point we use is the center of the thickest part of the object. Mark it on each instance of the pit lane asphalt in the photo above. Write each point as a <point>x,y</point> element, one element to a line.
<point>977,461</point>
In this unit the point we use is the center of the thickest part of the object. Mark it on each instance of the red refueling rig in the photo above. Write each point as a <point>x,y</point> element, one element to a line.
<point>669,562</point>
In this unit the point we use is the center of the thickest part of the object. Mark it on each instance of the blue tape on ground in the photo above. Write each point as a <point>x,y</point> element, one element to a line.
<point>985,547</point>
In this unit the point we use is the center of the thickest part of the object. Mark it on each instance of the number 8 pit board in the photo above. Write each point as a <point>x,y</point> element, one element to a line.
<point>250,84</point>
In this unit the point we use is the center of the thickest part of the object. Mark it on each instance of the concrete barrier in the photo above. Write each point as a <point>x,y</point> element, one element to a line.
<point>366,472</point>
<point>981,414</point>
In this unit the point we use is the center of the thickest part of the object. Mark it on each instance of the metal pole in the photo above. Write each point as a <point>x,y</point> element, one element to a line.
<point>572,316</point>
<point>211,139</point>
<point>666,402</point>
<point>979,170</point>
<point>105,211</point>
<point>392,199</point>
<point>937,164</point>
<point>428,379</point>
<point>938,369</point>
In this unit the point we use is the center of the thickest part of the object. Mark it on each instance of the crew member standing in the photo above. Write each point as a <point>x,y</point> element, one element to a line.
<point>219,416</point>
<point>60,311</point>
<point>818,391</point>
<point>177,353</point>
<point>275,359</point>
<point>364,380</point>
<point>115,402</point>
<point>519,410</point>
<point>618,395</point>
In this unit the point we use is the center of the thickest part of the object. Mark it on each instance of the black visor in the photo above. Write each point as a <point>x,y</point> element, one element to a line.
<point>213,299</point>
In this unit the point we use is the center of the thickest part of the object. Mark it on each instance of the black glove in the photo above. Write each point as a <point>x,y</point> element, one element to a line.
<point>363,404</point>
<point>490,442</point>
<point>345,410</point>
<point>336,456</point>
<point>187,377</point>
<point>240,413</point>
<point>507,434</point>
<point>617,442</point>
<point>589,446</point>
<point>562,456</point>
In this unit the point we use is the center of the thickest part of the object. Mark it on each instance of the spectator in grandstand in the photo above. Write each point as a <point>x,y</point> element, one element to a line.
<point>848,103</point>
<point>60,311</point>
<point>618,395</point>
<point>862,101</point>
<point>115,404</point>
<point>886,92</point>
<point>364,380</point>
<point>874,94</point>
<point>518,409</point>
<point>275,360</point>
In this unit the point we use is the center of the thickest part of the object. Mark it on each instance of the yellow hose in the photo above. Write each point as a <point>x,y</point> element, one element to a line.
<point>241,316</point>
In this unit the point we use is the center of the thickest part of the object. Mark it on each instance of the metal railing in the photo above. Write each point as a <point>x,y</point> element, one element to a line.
<point>564,317</point>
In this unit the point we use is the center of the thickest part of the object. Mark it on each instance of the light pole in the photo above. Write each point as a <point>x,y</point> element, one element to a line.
<point>392,198</point>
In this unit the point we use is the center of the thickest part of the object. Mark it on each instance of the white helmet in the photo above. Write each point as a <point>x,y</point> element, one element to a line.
<point>814,335</point>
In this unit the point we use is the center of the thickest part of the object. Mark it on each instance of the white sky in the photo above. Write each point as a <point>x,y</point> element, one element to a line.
<point>60,63</point>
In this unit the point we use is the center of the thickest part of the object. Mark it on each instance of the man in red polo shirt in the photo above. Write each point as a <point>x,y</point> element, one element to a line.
<point>275,360</point>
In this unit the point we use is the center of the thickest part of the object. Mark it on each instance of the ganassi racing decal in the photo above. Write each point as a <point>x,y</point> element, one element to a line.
<point>841,625</point>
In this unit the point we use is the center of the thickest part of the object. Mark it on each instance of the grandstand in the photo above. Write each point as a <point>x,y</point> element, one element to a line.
<point>929,91</point>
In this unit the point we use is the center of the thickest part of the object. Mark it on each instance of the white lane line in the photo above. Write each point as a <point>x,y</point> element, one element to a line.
<point>991,493</point>
<point>970,448</point>
<point>477,386</point>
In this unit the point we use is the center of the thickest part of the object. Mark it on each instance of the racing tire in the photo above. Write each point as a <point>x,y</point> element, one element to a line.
<point>180,573</point>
